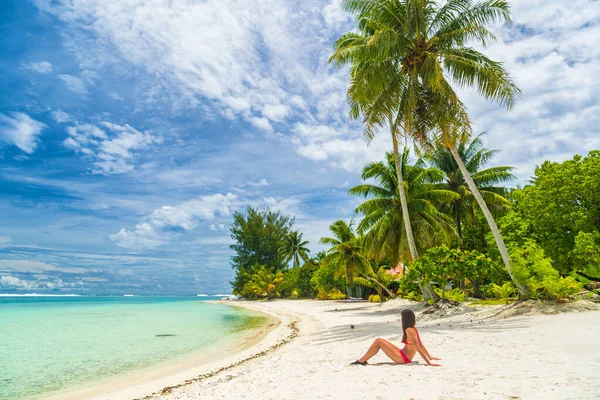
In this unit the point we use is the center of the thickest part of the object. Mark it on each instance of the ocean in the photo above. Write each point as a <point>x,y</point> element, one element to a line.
<point>51,344</point>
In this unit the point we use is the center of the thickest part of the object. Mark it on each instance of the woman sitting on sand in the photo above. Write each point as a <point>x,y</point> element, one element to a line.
<point>411,340</point>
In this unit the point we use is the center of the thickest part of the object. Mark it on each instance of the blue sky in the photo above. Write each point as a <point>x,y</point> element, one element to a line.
<point>131,130</point>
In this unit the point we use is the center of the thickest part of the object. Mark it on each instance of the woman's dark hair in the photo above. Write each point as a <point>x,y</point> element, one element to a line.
<point>408,321</point>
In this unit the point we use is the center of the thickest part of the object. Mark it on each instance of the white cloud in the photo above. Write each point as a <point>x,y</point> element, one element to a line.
<point>184,177</point>
<point>262,182</point>
<point>60,116</point>
<point>36,267</point>
<point>21,130</point>
<point>5,240</point>
<point>142,237</point>
<point>276,112</point>
<point>163,224</point>
<point>73,83</point>
<point>42,67</point>
<point>262,123</point>
<point>56,284</point>
<point>286,205</point>
<point>11,282</point>
<point>252,60</point>
<point>342,149</point>
<point>551,51</point>
<point>114,154</point>
<point>115,96</point>
<point>334,13</point>
<point>215,227</point>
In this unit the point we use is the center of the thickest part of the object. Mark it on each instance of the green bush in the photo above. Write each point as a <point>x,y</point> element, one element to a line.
<point>560,289</point>
<point>486,290</point>
<point>374,298</point>
<point>295,294</point>
<point>444,265</point>
<point>331,295</point>
<point>263,283</point>
<point>530,264</point>
<point>323,279</point>
<point>587,251</point>
<point>534,270</point>
<point>454,295</point>
<point>414,296</point>
<point>504,292</point>
<point>408,288</point>
<point>305,274</point>
<point>290,280</point>
<point>336,295</point>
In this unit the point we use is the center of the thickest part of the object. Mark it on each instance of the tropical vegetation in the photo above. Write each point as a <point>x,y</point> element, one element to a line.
<point>442,223</point>
<point>373,260</point>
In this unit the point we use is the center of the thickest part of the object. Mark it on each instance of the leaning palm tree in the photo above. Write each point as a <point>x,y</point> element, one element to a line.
<point>404,59</point>
<point>294,248</point>
<point>346,255</point>
<point>474,156</point>
<point>382,210</point>
<point>374,97</point>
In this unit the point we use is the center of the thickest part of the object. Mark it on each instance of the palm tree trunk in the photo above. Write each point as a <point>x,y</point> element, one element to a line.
<point>489,218</point>
<point>457,218</point>
<point>461,282</point>
<point>426,290</point>
<point>410,237</point>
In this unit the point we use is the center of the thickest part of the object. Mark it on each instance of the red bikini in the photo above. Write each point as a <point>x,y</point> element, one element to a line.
<point>404,356</point>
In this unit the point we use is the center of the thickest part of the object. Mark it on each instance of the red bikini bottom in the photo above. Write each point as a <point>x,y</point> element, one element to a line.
<point>404,357</point>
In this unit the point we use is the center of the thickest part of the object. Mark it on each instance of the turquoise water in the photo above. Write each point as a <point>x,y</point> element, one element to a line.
<point>54,343</point>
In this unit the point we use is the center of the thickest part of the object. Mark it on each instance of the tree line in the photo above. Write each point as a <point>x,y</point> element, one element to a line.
<point>551,229</point>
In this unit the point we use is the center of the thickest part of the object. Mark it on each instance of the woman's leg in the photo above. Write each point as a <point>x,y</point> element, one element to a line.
<point>388,348</point>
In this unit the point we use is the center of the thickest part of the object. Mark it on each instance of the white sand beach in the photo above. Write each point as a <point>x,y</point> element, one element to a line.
<point>485,355</point>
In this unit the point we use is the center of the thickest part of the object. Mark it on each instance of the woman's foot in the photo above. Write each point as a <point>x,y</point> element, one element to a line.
<point>358,363</point>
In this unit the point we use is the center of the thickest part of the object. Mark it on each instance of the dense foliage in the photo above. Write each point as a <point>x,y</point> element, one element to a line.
<point>346,256</point>
<point>258,236</point>
<point>263,283</point>
<point>446,266</point>
<point>475,157</point>
<point>560,210</point>
<point>362,264</point>
<point>383,214</point>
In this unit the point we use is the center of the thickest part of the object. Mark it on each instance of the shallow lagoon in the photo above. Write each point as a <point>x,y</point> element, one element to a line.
<point>49,344</point>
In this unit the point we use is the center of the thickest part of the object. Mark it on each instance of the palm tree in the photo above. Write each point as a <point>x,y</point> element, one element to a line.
<point>345,255</point>
<point>474,156</point>
<point>373,98</point>
<point>404,58</point>
<point>293,248</point>
<point>383,212</point>
<point>265,282</point>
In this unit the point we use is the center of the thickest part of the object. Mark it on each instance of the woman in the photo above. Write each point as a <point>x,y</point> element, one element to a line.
<point>411,340</point>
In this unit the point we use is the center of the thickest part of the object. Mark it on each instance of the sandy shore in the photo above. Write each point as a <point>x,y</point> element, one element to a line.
<point>484,356</point>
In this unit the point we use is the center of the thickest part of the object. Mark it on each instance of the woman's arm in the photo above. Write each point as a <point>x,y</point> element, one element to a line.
<point>426,352</point>
<point>413,338</point>
<point>423,348</point>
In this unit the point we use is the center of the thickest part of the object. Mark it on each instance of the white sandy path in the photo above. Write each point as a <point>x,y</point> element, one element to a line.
<point>533,357</point>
